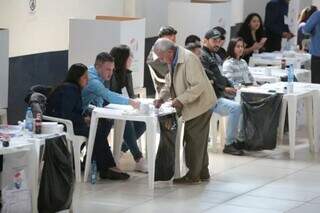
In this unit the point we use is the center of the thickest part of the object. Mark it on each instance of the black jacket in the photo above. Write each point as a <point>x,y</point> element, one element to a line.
<point>275,25</point>
<point>65,102</point>
<point>219,81</point>
<point>118,82</point>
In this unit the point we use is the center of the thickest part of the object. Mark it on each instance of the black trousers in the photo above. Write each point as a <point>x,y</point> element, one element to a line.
<point>315,69</point>
<point>101,150</point>
<point>273,43</point>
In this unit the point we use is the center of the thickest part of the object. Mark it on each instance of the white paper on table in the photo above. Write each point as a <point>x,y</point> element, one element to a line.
<point>120,107</point>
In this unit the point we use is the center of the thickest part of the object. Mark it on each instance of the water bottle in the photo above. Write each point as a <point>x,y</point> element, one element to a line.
<point>290,79</point>
<point>29,120</point>
<point>93,172</point>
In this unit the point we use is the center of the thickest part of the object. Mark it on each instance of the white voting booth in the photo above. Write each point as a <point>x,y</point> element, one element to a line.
<point>198,18</point>
<point>88,37</point>
<point>4,74</point>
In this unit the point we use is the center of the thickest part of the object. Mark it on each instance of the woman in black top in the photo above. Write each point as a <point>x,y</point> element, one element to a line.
<point>65,102</point>
<point>253,35</point>
<point>122,78</point>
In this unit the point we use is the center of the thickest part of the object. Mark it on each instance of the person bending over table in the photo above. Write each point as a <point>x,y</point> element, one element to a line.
<point>65,102</point>
<point>97,94</point>
<point>192,94</point>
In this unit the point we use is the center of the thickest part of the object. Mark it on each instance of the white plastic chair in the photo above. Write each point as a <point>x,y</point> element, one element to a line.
<point>180,167</point>
<point>155,79</point>
<point>77,141</point>
<point>216,129</point>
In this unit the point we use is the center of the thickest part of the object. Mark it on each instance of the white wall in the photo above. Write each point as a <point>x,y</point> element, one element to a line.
<point>155,12</point>
<point>204,17</point>
<point>47,29</point>
<point>89,37</point>
<point>254,6</point>
<point>4,67</point>
<point>317,3</point>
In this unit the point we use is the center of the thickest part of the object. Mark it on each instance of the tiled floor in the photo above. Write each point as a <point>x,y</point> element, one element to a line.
<point>261,182</point>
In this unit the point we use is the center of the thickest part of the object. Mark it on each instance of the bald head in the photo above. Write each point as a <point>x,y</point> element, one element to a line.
<point>165,50</point>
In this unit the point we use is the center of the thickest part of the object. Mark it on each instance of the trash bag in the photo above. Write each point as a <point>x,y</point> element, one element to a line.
<point>261,114</point>
<point>165,159</point>
<point>57,180</point>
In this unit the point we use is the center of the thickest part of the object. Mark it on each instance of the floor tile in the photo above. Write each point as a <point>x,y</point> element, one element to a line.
<point>264,203</point>
<point>238,209</point>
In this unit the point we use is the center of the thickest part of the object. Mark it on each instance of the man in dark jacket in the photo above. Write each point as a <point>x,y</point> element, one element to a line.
<point>221,53</point>
<point>224,91</point>
<point>275,24</point>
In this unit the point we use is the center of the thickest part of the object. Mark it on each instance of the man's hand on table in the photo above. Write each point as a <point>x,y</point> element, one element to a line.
<point>157,103</point>
<point>134,103</point>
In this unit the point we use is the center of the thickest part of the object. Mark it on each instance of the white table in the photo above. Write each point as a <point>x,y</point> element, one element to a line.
<point>298,59</point>
<point>290,100</point>
<point>23,145</point>
<point>274,74</point>
<point>120,116</point>
<point>32,145</point>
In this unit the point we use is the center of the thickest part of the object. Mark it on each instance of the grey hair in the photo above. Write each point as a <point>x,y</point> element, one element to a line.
<point>162,45</point>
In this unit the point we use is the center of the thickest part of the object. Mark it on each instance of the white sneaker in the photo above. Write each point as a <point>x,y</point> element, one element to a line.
<point>141,166</point>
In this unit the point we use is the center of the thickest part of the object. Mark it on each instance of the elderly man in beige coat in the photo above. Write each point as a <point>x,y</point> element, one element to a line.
<point>193,97</point>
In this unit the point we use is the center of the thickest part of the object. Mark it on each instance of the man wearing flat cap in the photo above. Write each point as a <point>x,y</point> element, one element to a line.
<point>160,68</point>
<point>224,91</point>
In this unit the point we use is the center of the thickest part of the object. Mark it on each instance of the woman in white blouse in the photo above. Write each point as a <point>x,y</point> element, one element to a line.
<point>235,68</point>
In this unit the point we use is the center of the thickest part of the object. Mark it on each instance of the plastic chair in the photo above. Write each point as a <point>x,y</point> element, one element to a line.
<point>217,127</point>
<point>180,167</point>
<point>155,79</point>
<point>77,141</point>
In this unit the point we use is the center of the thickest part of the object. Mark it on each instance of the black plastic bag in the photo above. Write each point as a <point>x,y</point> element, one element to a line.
<point>261,114</point>
<point>165,159</point>
<point>57,180</point>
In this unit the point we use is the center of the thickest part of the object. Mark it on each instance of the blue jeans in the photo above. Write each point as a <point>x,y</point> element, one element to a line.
<point>232,109</point>
<point>132,132</point>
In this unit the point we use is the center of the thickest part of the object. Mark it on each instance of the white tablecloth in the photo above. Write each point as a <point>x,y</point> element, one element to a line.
<point>298,59</point>
<point>274,74</point>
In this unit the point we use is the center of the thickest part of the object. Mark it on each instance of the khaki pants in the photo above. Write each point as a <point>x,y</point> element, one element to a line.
<point>196,143</point>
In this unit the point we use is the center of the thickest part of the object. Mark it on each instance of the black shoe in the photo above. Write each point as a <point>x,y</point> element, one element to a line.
<point>232,150</point>
<point>239,145</point>
<point>205,175</point>
<point>187,180</point>
<point>112,175</point>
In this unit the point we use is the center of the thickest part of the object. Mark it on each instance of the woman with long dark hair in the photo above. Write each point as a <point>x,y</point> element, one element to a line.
<point>65,102</point>
<point>122,78</point>
<point>253,35</point>
<point>235,68</point>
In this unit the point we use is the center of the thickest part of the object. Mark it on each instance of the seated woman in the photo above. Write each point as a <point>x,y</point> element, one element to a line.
<point>122,78</point>
<point>65,102</point>
<point>253,35</point>
<point>235,68</point>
